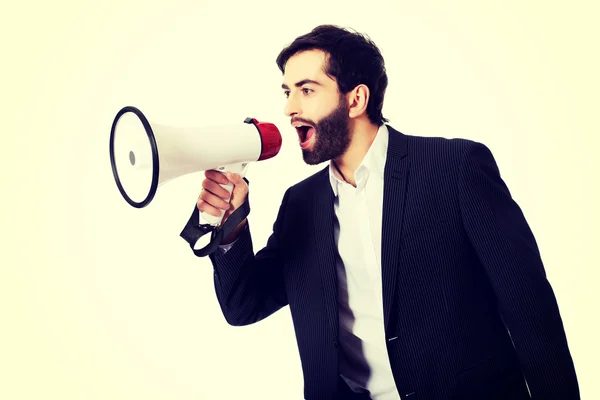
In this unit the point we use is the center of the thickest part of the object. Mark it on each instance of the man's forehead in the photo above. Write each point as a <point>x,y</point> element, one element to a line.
<point>305,65</point>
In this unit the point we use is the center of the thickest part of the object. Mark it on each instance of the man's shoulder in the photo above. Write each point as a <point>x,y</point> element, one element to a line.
<point>303,191</point>
<point>319,177</point>
<point>437,147</point>
<point>442,143</point>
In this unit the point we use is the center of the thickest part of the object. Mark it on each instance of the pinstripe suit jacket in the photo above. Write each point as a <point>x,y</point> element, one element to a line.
<point>469,313</point>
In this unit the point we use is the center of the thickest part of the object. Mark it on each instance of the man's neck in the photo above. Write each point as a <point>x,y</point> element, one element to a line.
<point>361,138</point>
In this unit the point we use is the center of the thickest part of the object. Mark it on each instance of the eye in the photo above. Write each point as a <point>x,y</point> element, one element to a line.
<point>306,90</point>
<point>286,94</point>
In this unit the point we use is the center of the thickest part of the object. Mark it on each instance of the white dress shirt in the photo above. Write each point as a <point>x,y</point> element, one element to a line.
<point>364,362</point>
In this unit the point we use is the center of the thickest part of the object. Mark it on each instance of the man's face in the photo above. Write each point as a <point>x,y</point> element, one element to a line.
<point>316,108</point>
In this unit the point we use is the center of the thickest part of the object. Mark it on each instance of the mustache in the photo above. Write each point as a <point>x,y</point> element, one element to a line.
<point>304,121</point>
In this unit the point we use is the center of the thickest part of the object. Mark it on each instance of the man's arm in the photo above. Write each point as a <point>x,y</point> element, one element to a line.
<point>250,287</point>
<point>508,251</point>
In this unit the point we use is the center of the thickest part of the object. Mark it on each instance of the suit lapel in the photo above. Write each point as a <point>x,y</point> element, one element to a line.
<point>395,177</point>
<point>323,213</point>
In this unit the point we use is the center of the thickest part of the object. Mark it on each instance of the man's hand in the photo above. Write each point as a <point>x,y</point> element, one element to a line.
<point>215,199</point>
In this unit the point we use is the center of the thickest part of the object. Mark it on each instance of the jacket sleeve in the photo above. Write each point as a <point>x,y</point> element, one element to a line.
<point>250,287</point>
<point>508,251</point>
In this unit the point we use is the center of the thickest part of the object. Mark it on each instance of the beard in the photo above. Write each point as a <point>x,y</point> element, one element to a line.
<point>332,136</point>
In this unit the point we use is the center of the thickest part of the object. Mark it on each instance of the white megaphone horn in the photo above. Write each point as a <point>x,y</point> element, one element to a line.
<point>146,155</point>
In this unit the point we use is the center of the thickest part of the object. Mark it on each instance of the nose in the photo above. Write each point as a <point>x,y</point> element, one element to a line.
<point>291,107</point>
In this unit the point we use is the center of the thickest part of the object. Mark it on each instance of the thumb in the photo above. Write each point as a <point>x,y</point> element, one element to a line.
<point>236,179</point>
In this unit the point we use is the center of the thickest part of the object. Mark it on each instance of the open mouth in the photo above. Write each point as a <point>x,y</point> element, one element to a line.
<point>305,134</point>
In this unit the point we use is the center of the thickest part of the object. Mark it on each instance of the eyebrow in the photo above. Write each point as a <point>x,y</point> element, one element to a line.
<point>302,82</point>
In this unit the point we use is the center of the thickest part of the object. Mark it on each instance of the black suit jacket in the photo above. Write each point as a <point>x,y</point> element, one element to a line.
<point>469,313</point>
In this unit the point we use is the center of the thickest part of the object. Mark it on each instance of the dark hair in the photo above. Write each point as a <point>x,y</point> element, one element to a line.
<point>352,59</point>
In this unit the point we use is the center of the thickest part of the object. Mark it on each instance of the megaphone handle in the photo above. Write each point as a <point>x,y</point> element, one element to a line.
<point>238,168</point>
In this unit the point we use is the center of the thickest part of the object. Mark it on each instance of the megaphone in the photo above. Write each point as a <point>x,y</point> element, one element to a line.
<point>145,155</point>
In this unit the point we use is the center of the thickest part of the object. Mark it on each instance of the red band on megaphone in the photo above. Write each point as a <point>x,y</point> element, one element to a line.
<point>270,138</point>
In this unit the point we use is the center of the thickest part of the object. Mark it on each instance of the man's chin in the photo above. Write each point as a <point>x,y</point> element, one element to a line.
<point>310,157</point>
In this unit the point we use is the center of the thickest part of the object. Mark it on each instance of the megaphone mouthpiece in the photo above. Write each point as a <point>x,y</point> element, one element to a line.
<point>270,138</point>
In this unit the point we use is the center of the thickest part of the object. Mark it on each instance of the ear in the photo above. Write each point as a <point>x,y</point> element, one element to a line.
<point>358,98</point>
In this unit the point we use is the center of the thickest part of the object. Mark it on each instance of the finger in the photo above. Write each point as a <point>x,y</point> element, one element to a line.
<point>240,187</point>
<point>214,200</point>
<point>216,176</point>
<point>216,189</point>
<point>204,207</point>
<point>236,179</point>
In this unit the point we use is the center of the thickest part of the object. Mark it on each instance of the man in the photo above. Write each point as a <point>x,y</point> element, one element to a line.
<point>409,271</point>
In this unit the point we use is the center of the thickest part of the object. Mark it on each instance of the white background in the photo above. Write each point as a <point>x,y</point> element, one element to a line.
<point>99,300</point>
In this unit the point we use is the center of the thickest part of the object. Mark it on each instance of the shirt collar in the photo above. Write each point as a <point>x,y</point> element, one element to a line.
<point>372,163</point>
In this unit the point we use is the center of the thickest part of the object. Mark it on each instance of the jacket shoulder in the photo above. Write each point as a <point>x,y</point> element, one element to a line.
<point>455,145</point>
<point>307,184</point>
<point>439,149</point>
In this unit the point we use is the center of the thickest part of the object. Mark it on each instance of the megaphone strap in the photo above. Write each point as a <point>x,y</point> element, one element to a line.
<point>194,231</point>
